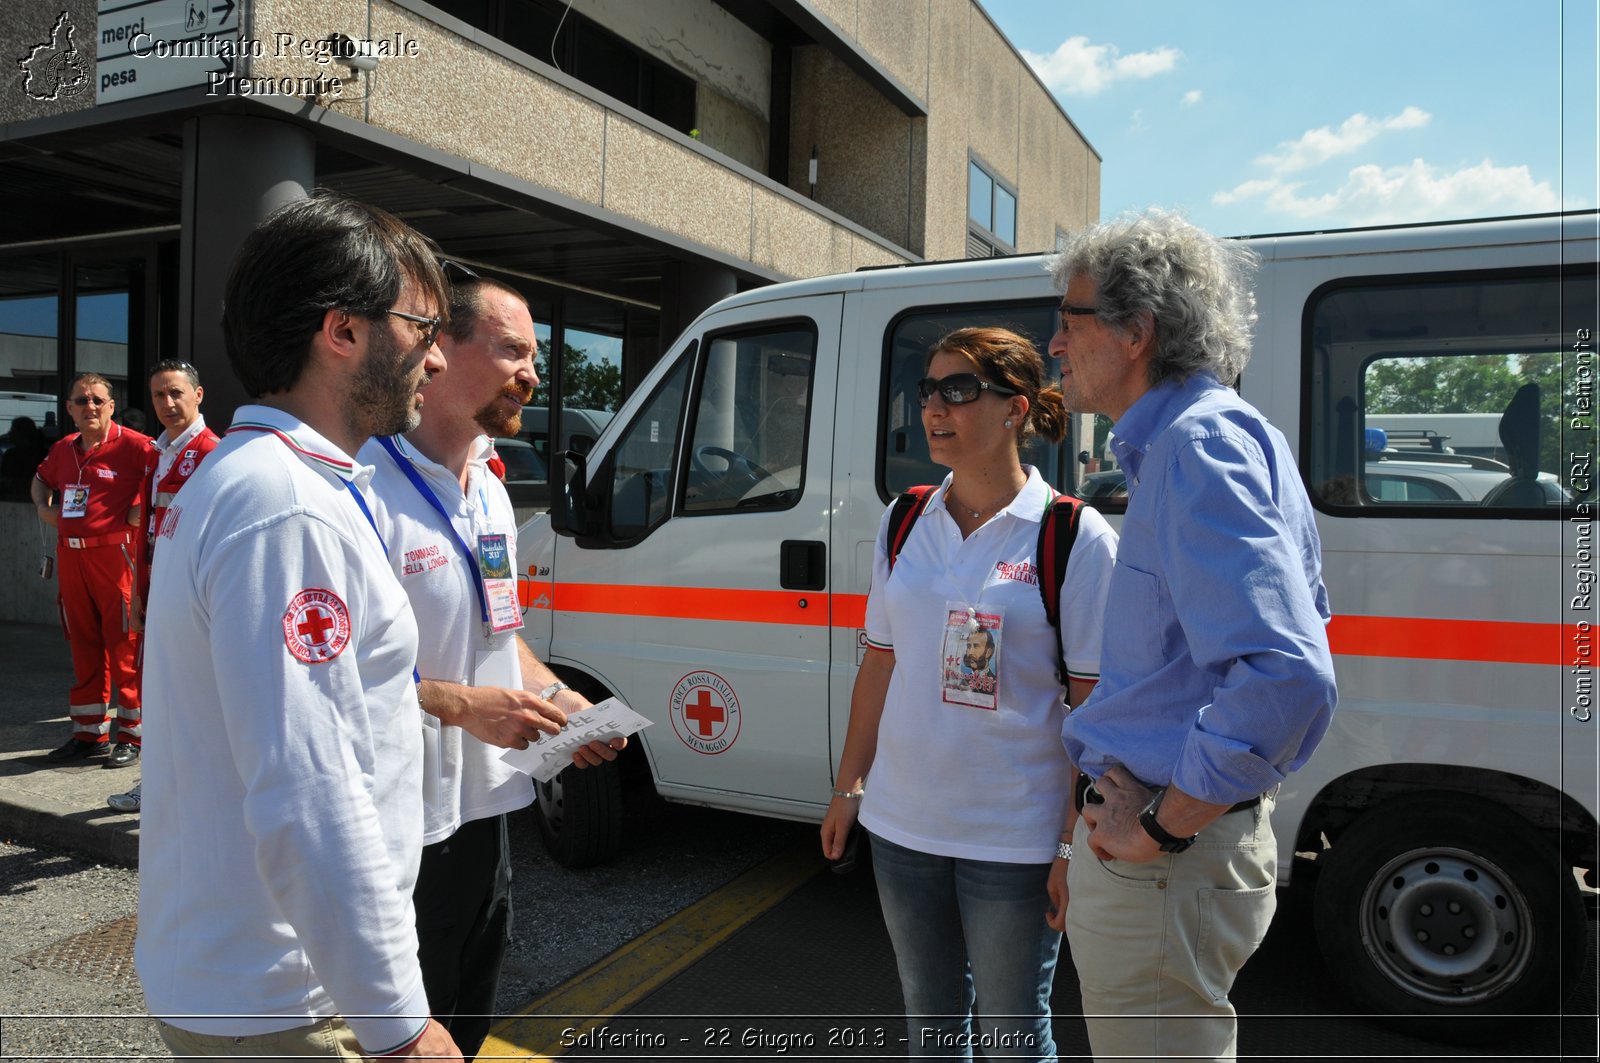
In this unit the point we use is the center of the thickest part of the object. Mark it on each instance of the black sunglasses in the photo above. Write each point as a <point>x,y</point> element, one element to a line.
<point>448,264</point>
<point>429,326</point>
<point>957,389</point>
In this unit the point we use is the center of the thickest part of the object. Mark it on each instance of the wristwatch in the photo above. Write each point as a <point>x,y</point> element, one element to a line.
<point>1147,819</point>
<point>552,690</point>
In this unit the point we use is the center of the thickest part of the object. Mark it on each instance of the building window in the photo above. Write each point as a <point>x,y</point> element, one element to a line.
<point>991,214</point>
<point>583,49</point>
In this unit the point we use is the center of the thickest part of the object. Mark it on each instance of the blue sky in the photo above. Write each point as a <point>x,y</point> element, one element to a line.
<point>1256,117</point>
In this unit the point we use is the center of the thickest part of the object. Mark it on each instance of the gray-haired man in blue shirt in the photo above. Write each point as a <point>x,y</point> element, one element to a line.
<point>1215,680</point>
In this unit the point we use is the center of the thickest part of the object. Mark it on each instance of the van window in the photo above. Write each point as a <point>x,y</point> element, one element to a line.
<point>642,478</point>
<point>1451,396</point>
<point>749,441</point>
<point>903,460</point>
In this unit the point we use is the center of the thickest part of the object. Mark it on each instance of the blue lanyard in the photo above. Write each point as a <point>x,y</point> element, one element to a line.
<point>387,442</point>
<point>365,512</point>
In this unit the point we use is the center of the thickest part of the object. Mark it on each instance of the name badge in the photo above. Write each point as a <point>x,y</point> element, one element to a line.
<point>75,500</point>
<point>499,584</point>
<point>970,673</point>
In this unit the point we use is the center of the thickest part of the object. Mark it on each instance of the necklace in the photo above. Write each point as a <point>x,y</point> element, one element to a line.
<point>976,513</point>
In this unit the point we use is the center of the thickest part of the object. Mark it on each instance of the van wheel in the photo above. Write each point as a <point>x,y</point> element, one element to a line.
<point>580,815</point>
<point>1444,907</point>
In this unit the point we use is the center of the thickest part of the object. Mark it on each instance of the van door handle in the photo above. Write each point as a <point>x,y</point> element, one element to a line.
<point>802,565</point>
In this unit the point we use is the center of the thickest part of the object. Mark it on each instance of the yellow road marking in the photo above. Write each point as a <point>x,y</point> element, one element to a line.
<point>649,961</point>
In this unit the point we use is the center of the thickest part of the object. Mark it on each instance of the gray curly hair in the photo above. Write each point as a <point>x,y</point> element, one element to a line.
<point>1194,286</point>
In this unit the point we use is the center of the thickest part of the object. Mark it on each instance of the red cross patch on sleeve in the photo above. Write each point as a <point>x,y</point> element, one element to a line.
<point>316,626</point>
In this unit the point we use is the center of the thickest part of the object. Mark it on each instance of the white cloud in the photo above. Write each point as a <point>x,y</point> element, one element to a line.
<point>1373,195</point>
<point>1319,145</point>
<point>1078,68</point>
<point>1192,97</point>
<point>1247,190</point>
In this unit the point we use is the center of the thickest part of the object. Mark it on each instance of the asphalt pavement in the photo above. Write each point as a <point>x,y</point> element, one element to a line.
<point>68,890</point>
<point>57,805</point>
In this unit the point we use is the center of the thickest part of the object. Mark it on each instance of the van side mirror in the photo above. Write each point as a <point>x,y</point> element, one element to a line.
<point>569,510</point>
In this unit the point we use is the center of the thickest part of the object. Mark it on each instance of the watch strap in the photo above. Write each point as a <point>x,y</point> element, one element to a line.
<point>1169,843</point>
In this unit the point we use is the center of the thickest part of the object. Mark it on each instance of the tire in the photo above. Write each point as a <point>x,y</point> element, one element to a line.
<point>1443,907</point>
<point>580,815</point>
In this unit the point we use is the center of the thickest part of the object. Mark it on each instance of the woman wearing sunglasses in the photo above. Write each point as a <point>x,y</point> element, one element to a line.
<point>958,708</point>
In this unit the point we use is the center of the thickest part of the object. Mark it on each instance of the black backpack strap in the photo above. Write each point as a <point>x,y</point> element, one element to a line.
<point>907,508</point>
<point>1058,530</point>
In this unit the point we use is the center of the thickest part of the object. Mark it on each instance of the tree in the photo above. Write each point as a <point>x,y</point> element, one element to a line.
<point>586,385</point>
<point>1481,383</point>
<point>1485,383</point>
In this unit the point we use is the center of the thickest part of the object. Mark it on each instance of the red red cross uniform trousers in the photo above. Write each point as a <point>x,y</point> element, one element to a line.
<point>96,554</point>
<point>174,464</point>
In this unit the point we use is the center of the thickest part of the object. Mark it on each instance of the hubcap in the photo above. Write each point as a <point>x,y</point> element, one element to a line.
<point>1446,925</point>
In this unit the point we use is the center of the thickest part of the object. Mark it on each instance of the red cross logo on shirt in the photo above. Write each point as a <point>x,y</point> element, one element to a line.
<point>316,626</point>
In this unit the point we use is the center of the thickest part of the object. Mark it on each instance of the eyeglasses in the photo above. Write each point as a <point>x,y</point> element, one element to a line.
<point>958,389</point>
<point>448,264</point>
<point>88,400</point>
<point>1063,312</point>
<point>431,326</point>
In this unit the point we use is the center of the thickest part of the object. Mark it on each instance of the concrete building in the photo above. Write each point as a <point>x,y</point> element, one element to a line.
<point>624,164</point>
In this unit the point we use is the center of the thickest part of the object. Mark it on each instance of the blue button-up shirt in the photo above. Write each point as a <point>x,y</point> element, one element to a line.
<point>1215,674</point>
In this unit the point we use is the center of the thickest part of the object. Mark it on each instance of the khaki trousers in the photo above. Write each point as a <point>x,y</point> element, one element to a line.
<point>327,1038</point>
<point>1157,945</point>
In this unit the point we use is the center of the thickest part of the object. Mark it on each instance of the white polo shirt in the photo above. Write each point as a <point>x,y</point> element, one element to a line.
<point>463,779</point>
<point>964,780</point>
<point>281,828</point>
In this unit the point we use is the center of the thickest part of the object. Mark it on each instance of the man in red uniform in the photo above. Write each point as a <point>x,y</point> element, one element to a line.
<point>175,396</point>
<point>90,488</point>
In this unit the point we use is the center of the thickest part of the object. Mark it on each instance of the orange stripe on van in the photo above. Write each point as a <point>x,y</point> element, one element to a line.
<point>1411,638</point>
<point>1426,638</point>
<point>695,603</point>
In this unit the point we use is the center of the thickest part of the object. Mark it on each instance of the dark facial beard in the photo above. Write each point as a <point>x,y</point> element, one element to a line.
<point>380,399</point>
<point>495,421</point>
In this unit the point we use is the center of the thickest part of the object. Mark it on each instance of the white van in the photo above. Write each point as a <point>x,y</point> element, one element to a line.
<point>40,407</point>
<point>710,558</point>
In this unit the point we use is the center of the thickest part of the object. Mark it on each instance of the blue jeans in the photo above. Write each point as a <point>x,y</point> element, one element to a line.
<point>968,931</point>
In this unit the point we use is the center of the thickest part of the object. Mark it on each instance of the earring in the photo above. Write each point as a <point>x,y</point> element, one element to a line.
<point>1008,422</point>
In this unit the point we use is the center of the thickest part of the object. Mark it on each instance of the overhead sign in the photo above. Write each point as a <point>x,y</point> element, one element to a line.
<point>150,46</point>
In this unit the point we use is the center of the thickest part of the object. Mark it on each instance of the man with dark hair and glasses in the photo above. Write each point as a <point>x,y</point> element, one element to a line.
<point>283,825</point>
<point>175,396</point>
<point>90,488</point>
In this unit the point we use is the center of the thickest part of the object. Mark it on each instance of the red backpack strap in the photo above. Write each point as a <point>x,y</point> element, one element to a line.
<point>1058,529</point>
<point>907,508</point>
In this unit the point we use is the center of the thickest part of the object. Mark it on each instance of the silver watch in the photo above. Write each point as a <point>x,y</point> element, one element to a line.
<point>552,690</point>
<point>1063,850</point>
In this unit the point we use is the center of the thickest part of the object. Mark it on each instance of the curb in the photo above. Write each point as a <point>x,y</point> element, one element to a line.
<point>58,826</point>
